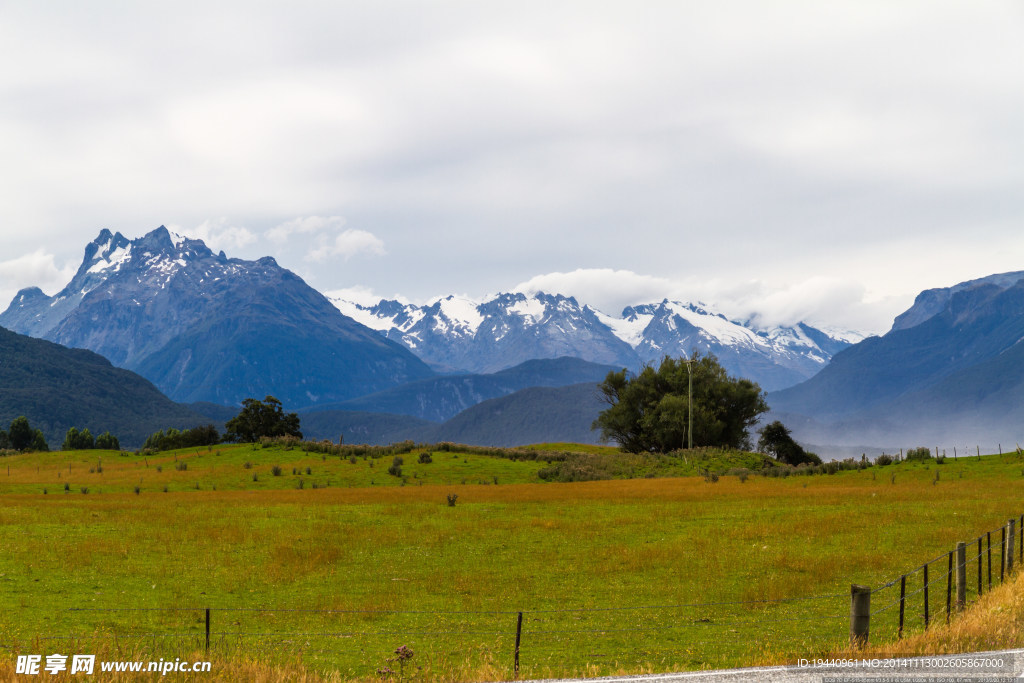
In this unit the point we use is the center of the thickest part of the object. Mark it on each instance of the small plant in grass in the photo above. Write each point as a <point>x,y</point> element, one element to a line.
<point>138,490</point>
<point>309,470</point>
<point>181,465</point>
<point>166,489</point>
<point>425,458</point>
<point>84,490</point>
<point>301,484</point>
<point>247,465</point>
<point>159,468</point>
<point>402,655</point>
<point>352,460</point>
<point>67,487</point>
<point>452,497</point>
<point>396,466</point>
<point>276,470</point>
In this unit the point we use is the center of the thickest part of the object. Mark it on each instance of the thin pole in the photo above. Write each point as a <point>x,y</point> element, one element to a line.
<point>207,630</point>
<point>949,586</point>
<point>519,633</point>
<point>903,602</point>
<point>989,534</point>
<point>926,596</point>
<point>689,403</point>
<point>981,561</point>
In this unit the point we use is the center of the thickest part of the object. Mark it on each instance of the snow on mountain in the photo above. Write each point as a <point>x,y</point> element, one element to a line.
<point>456,333</point>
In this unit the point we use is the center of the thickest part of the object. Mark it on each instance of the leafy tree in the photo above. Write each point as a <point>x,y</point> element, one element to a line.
<point>5,441</point>
<point>70,439</point>
<point>108,442</point>
<point>39,441</point>
<point>649,411</point>
<point>776,441</point>
<point>262,418</point>
<point>20,434</point>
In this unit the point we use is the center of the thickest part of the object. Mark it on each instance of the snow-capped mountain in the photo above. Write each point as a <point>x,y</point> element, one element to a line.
<point>455,333</point>
<point>205,327</point>
<point>485,336</point>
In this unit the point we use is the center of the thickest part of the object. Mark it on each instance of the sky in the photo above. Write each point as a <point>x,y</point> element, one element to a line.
<point>818,161</point>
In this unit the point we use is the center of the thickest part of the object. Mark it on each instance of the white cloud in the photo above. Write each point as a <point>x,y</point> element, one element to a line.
<point>219,234</point>
<point>347,244</point>
<point>37,269</point>
<point>280,234</point>
<point>364,296</point>
<point>605,289</point>
<point>828,301</point>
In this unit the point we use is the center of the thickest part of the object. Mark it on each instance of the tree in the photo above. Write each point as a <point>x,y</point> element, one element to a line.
<point>649,411</point>
<point>776,441</point>
<point>5,441</point>
<point>39,441</point>
<point>20,434</point>
<point>108,442</point>
<point>262,418</point>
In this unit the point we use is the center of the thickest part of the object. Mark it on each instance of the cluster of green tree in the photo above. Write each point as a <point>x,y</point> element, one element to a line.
<point>83,440</point>
<point>776,440</point>
<point>21,437</point>
<point>205,435</point>
<point>650,411</point>
<point>262,418</point>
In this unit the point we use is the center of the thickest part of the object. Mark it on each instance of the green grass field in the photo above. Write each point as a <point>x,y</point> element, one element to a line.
<point>648,574</point>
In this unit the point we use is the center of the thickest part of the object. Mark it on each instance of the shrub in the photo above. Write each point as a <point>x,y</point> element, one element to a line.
<point>452,497</point>
<point>276,470</point>
<point>425,458</point>
<point>883,460</point>
<point>181,465</point>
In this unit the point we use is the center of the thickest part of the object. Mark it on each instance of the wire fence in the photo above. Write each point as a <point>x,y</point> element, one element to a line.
<point>935,591</point>
<point>685,635</point>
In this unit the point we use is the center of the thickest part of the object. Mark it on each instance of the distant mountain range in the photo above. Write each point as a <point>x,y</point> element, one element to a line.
<point>209,331</point>
<point>455,333</point>
<point>204,327</point>
<point>951,368</point>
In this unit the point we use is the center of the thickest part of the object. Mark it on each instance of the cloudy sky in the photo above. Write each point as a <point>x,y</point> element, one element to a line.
<point>815,160</point>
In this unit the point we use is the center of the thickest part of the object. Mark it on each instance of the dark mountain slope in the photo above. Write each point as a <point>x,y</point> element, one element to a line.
<point>57,388</point>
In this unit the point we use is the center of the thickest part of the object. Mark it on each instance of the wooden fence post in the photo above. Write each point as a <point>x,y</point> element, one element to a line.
<point>860,615</point>
<point>961,576</point>
<point>903,602</point>
<point>1002,555</point>
<point>926,596</point>
<point>949,586</point>
<point>519,634</point>
<point>207,630</point>
<point>989,534</point>
<point>1010,536</point>
<point>981,561</point>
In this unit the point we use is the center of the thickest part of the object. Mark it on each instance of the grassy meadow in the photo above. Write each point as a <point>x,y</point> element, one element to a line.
<point>334,573</point>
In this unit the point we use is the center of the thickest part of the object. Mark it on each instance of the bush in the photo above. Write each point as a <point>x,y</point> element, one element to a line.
<point>425,458</point>
<point>276,470</point>
<point>883,460</point>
